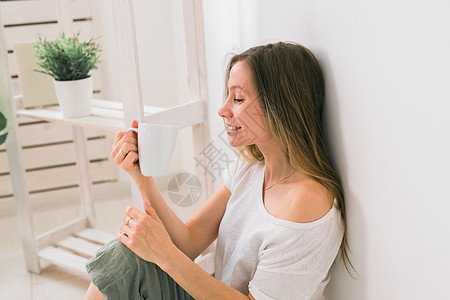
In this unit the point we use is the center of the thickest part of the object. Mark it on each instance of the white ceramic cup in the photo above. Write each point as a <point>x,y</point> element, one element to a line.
<point>155,146</point>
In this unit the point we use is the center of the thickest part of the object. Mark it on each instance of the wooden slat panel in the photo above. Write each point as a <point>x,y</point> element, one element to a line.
<point>64,259</point>
<point>48,133</point>
<point>96,236</point>
<point>80,9</point>
<point>85,28</point>
<point>15,87</point>
<point>65,175</point>
<point>79,246</point>
<point>56,155</point>
<point>99,95</point>
<point>5,185</point>
<point>57,177</point>
<point>20,12</point>
<point>23,120</point>
<point>24,34</point>
<point>44,133</point>
<point>12,64</point>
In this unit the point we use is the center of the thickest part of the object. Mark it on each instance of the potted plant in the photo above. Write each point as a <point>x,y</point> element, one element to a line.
<point>69,61</point>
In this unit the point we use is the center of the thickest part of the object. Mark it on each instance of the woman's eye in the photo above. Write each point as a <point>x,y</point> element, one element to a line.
<point>238,100</point>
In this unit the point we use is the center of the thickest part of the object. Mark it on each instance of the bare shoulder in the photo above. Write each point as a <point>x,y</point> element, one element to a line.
<point>307,201</point>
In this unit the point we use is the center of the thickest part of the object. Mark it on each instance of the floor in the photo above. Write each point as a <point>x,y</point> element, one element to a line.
<point>48,212</point>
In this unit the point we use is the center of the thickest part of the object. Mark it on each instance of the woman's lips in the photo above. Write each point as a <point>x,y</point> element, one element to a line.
<point>232,129</point>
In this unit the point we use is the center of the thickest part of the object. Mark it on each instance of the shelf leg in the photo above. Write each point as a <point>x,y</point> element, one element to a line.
<point>131,92</point>
<point>16,168</point>
<point>201,139</point>
<point>196,68</point>
<point>22,198</point>
<point>84,177</point>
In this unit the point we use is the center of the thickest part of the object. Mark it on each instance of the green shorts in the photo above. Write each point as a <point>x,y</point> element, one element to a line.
<point>120,274</point>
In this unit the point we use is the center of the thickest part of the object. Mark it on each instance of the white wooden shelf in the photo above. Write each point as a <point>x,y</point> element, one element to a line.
<point>73,243</point>
<point>109,115</point>
<point>74,251</point>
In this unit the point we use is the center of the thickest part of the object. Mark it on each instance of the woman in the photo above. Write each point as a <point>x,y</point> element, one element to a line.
<point>279,215</point>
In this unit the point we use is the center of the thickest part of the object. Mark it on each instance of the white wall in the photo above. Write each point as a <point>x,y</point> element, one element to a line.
<point>222,34</point>
<point>387,70</point>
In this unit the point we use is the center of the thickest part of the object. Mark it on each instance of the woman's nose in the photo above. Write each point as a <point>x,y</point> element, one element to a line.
<point>224,111</point>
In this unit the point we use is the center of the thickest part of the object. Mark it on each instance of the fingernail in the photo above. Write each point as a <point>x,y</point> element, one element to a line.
<point>147,203</point>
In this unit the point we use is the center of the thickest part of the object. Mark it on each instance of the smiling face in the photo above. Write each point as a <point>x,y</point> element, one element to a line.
<point>242,112</point>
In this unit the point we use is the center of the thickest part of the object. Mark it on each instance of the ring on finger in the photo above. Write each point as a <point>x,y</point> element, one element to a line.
<point>128,221</point>
<point>123,154</point>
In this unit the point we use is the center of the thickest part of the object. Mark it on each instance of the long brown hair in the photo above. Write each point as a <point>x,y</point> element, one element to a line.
<point>291,88</point>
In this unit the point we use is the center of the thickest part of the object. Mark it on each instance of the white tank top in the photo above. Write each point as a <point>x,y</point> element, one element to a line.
<point>269,257</point>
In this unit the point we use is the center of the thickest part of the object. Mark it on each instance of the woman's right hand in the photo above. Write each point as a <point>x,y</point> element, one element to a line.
<point>125,151</point>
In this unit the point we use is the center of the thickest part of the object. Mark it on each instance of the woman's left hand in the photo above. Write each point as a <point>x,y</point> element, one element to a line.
<point>145,234</point>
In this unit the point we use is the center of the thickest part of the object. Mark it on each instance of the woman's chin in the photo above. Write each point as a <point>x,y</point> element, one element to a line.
<point>232,144</point>
<point>242,142</point>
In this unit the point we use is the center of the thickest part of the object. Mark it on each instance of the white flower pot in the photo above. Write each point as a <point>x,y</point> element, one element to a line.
<point>74,97</point>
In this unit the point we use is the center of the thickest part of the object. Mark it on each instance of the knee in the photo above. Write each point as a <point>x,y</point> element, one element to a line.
<point>112,258</point>
<point>116,269</point>
<point>93,293</point>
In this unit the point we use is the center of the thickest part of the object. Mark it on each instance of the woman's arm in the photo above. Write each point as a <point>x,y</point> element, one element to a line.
<point>196,281</point>
<point>146,236</point>
<point>201,230</point>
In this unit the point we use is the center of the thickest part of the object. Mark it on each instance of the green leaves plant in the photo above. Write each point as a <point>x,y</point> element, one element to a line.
<point>3,124</point>
<point>66,58</point>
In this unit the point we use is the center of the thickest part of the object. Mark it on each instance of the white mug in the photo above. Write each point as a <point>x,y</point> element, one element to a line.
<point>156,144</point>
